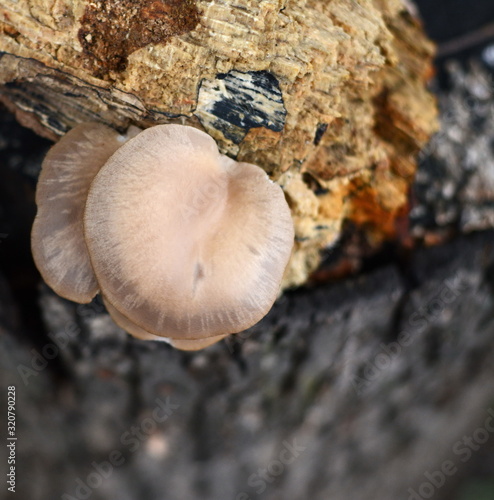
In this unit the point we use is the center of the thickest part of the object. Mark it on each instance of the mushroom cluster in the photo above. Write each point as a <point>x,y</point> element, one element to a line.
<point>184,244</point>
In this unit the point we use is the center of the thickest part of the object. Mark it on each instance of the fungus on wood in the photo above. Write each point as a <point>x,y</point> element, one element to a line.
<point>329,98</point>
<point>182,242</point>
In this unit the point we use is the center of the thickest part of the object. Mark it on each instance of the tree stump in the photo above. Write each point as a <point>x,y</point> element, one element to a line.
<point>328,97</point>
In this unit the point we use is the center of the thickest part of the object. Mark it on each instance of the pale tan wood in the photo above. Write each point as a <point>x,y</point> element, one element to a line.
<point>338,90</point>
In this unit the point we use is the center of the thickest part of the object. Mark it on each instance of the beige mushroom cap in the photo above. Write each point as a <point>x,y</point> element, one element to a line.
<point>57,238</point>
<point>186,243</point>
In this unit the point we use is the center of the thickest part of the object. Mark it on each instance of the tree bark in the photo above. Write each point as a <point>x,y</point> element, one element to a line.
<point>361,388</point>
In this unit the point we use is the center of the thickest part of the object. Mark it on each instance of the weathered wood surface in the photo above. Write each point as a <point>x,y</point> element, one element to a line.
<point>328,97</point>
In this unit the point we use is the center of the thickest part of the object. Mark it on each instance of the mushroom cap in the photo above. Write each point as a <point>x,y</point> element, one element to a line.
<point>184,242</point>
<point>57,237</point>
<point>139,333</point>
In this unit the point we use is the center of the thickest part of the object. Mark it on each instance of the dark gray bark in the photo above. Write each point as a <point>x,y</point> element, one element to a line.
<point>367,384</point>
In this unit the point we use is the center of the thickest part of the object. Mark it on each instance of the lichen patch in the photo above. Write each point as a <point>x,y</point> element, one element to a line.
<point>112,29</point>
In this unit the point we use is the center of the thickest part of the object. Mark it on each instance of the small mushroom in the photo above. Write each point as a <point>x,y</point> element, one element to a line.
<point>57,237</point>
<point>184,244</point>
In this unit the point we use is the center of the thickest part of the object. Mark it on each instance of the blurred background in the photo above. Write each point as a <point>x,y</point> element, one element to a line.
<point>378,386</point>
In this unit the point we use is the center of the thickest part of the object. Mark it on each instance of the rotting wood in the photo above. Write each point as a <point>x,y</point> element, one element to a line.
<point>329,97</point>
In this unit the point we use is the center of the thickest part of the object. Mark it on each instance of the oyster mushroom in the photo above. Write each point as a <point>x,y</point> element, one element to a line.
<point>183,243</point>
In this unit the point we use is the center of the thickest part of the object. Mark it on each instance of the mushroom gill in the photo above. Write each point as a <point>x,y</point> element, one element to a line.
<point>139,333</point>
